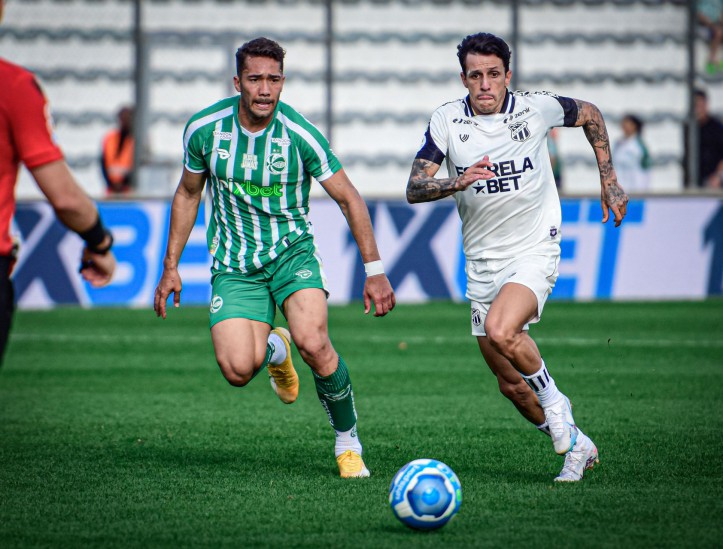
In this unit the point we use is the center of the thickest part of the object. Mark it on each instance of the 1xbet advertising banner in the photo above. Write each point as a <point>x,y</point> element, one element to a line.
<point>667,248</point>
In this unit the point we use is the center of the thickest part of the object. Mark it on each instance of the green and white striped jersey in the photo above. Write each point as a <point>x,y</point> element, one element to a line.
<point>258,183</point>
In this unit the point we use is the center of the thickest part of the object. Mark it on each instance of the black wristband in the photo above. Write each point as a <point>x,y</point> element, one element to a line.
<point>105,249</point>
<point>95,236</point>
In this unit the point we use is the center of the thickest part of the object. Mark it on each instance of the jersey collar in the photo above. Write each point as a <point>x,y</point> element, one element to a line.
<point>259,132</point>
<point>508,105</point>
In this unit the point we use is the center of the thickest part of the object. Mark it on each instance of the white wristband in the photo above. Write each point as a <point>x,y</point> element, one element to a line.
<point>374,268</point>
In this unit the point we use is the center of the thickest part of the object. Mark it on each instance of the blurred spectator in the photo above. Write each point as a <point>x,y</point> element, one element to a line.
<point>710,143</point>
<point>117,155</point>
<point>710,16</point>
<point>26,137</point>
<point>555,160</point>
<point>630,156</point>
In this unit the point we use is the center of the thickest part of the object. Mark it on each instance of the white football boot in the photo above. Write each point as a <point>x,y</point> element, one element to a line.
<point>578,460</point>
<point>562,425</point>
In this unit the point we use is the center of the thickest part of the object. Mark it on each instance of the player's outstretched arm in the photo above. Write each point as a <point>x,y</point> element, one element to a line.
<point>612,195</point>
<point>377,289</point>
<point>77,211</point>
<point>424,187</point>
<point>183,216</point>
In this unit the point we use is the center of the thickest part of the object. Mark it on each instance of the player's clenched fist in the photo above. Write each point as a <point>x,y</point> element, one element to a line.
<point>475,172</point>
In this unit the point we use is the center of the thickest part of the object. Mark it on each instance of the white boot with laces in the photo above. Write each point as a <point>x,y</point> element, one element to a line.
<point>581,458</point>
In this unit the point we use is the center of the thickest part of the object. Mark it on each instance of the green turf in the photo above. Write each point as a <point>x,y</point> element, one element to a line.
<point>117,430</point>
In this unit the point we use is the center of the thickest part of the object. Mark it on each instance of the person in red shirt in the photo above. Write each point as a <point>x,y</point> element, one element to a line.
<point>26,137</point>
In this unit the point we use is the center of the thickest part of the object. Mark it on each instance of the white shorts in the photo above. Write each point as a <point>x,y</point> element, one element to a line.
<point>485,278</point>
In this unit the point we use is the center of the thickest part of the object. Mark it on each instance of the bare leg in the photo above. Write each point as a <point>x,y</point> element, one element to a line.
<point>716,41</point>
<point>513,307</point>
<point>307,313</point>
<point>240,347</point>
<point>716,37</point>
<point>511,383</point>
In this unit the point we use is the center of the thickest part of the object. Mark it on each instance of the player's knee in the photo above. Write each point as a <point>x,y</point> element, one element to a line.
<point>501,338</point>
<point>236,373</point>
<point>237,380</point>
<point>313,348</point>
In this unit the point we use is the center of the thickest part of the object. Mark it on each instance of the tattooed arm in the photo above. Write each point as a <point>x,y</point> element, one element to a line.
<point>612,195</point>
<point>424,187</point>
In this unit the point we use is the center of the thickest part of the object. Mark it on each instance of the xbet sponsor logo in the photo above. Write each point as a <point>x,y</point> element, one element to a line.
<point>241,188</point>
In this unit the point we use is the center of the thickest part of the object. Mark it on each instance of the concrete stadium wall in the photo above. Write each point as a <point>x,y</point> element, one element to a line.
<point>363,147</point>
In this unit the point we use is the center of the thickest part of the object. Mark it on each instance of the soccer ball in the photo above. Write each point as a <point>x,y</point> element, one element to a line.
<point>425,494</point>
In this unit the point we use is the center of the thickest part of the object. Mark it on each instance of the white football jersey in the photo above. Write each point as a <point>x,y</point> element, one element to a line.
<point>519,209</point>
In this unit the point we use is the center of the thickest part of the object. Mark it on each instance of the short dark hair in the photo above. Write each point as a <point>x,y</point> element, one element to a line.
<point>484,43</point>
<point>259,47</point>
<point>637,122</point>
<point>700,92</point>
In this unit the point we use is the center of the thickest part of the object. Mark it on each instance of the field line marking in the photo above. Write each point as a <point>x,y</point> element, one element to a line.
<point>416,339</point>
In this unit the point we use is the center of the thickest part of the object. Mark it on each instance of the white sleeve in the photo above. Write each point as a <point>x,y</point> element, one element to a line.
<point>556,110</point>
<point>439,131</point>
<point>436,139</point>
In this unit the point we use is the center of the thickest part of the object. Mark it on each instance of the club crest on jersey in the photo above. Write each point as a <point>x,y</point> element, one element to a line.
<point>249,161</point>
<point>276,163</point>
<point>553,231</point>
<point>520,132</point>
<point>476,317</point>
<point>216,304</point>
<point>463,137</point>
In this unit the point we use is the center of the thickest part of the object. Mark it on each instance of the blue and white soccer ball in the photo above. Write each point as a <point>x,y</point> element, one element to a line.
<point>425,494</point>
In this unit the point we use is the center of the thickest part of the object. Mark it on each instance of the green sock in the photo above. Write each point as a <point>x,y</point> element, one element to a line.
<point>337,398</point>
<point>269,351</point>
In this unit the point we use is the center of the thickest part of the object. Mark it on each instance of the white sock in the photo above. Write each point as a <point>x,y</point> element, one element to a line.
<point>347,440</point>
<point>544,386</point>
<point>278,349</point>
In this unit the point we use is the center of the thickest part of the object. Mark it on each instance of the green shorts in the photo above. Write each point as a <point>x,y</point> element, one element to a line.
<point>256,295</point>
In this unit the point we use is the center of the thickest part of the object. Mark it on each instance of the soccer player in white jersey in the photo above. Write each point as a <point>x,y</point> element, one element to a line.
<point>257,156</point>
<point>494,143</point>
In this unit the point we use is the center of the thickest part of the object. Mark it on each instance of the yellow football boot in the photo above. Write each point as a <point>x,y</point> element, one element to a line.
<point>283,377</point>
<point>351,465</point>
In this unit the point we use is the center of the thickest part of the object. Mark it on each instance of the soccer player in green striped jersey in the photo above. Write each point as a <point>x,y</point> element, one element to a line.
<point>257,156</point>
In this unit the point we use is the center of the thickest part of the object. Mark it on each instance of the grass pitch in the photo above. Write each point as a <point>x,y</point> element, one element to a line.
<point>118,430</point>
